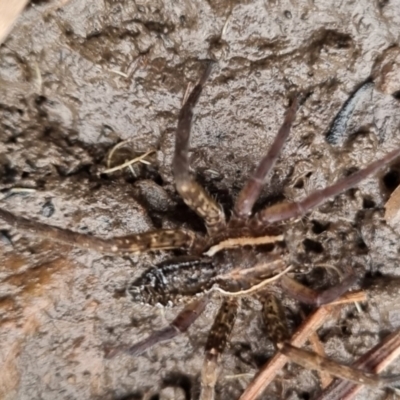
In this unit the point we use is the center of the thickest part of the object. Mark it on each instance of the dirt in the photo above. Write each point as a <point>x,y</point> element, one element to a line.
<point>77,77</point>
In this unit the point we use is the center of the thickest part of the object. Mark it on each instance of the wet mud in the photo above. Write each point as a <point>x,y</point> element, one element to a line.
<point>78,77</point>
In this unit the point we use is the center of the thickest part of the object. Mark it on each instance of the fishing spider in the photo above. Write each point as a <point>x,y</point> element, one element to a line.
<point>193,278</point>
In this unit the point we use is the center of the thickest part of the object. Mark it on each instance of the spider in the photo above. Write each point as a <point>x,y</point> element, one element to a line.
<point>208,267</point>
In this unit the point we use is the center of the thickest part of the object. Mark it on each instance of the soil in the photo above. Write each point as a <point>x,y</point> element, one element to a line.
<point>78,77</point>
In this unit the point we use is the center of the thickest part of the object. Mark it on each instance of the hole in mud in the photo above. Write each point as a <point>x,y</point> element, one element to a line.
<point>319,227</point>
<point>361,245</point>
<point>345,330</point>
<point>391,180</point>
<point>181,381</point>
<point>40,100</point>
<point>368,203</point>
<point>396,95</point>
<point>313,246</point>
<point>287,14</point>
<point>299,184</point>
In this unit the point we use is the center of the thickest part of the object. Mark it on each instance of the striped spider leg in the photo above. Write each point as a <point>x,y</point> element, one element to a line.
<point>163,239</point>
<point>191,192</point>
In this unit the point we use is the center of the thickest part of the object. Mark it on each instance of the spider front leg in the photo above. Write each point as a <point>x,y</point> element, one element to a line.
<point>156,240</point>
<point>192,193</point>
<point>283,211</point>
<point>249,194</point>
<point>216,343</point>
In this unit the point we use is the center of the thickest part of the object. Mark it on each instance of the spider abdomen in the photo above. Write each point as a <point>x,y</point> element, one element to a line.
<point>173,280</point>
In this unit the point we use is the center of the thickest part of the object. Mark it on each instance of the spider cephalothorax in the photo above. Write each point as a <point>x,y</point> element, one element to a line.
<point>210,263</point>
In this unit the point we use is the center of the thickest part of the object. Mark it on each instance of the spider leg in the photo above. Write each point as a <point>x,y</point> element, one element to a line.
<point>216,343</point>
<point>156,240</point>
<point>192,193</point>
<point>286,210</point>
<point>249,194</point>
<point>179,325</point>
<point>309,296</point>
<point>274,318</point>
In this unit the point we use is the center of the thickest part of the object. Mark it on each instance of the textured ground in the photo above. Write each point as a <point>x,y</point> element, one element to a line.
<point>77,77</point>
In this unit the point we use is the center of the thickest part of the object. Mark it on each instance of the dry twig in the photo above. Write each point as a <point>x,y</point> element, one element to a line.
<point>268,373</point>
<point>375,360</point>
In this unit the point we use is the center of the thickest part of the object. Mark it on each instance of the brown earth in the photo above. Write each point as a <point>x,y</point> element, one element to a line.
<point>77,77</point>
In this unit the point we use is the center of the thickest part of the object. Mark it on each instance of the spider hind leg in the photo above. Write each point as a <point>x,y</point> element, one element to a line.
<point>317,298</point>
<point>216,343</point>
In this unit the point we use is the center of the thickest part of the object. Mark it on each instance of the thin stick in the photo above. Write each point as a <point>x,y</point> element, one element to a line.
<point>114,149</point>
<point>21,190</point>
<point>128,163</point>
<point>375,360</point>
<point>314,361</point>
<point>268,373</point>
<point>318,347</point>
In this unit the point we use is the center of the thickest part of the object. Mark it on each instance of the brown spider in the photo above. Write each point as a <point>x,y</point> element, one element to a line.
<point>207,267</point>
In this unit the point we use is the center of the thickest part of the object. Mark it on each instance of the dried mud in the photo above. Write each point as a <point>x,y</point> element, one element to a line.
<point>77,77</point>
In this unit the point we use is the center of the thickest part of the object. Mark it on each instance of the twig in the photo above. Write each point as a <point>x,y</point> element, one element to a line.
<point>318,347</point>
<point>375,360</point>
<point>128,163</point>
<point>268,373</point>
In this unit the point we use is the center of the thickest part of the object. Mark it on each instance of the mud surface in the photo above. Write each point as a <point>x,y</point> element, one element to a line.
<point>77,77</point>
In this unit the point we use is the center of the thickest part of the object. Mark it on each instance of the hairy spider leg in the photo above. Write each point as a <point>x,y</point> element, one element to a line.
<point>286,210</point>
<point>317,298</point>
<point>216,343</point>
<point>195,196</point>
<point>179,325</point>
<point>142,242</point>
<point>274,318</point>
<point>251,191</point>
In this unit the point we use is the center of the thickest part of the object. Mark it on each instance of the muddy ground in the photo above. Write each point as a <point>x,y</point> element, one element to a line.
<point>77,77</point>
